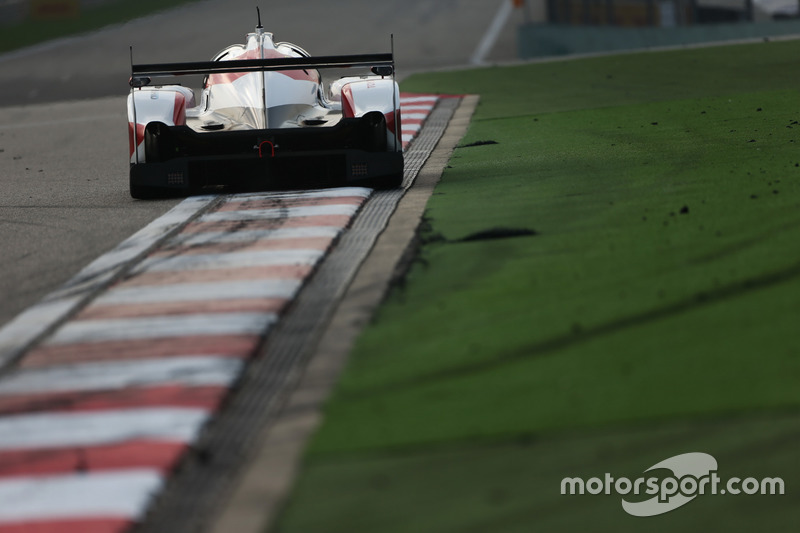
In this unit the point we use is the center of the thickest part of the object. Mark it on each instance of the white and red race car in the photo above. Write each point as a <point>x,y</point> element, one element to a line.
<point>269,116</point>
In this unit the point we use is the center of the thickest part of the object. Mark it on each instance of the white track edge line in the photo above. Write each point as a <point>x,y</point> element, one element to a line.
<point>492,33</point>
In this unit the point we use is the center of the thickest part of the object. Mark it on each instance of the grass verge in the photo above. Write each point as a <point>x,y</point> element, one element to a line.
<point>30,32</point>
<point>644,304</point>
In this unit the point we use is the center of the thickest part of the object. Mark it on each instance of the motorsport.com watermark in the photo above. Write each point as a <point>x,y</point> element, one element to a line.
<point>693,474</point>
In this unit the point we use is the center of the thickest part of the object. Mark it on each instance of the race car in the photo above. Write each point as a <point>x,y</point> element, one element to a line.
<point>268,116</point>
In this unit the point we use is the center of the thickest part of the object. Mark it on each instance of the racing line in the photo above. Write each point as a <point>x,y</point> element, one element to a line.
<point>113,383</point>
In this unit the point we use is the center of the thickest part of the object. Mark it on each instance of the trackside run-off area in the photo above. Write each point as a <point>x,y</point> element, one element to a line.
<point>608,276</point>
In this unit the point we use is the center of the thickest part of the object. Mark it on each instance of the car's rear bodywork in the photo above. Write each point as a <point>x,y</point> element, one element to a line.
<point>269,116</point>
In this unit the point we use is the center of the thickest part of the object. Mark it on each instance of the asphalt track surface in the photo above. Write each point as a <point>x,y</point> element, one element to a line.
<point>63,138</point>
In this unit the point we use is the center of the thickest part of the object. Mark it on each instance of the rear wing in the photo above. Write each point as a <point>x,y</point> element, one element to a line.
<point>381,64</point>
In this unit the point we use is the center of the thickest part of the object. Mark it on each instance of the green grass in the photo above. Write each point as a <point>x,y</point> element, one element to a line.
<point>652,313</point>
<point>513,486</point>
<point>30,32</point>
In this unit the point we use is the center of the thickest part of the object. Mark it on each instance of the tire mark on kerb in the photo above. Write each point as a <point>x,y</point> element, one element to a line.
<point>230,260</point>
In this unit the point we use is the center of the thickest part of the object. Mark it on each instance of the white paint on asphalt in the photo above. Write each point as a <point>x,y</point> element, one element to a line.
<point>153,327</point>
<point>187,371</point>
<point>201,292</point>
<point>231,260</point>
<point>280,212</point>
<point>118,493</point>
<point>415,116</point>
<point>63,430</point>
<point>492,33</point>
<point>220,237</point>
<point>416,99</point>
